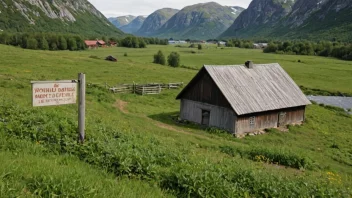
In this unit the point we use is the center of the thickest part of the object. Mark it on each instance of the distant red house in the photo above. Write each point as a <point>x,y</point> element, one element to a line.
<point>91,44</point>
<point>101,43</point>
<point>113,44</point>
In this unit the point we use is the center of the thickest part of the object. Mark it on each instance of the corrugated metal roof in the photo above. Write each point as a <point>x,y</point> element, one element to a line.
<point>265,87</point>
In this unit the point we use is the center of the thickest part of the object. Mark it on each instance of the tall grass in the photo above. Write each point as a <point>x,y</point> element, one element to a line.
<point>148,159</point>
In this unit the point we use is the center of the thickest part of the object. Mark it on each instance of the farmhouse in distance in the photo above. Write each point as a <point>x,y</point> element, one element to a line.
<point>243,98</point>
<point>94,44</point>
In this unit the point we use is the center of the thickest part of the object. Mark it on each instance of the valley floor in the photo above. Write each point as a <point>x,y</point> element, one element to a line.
<point>135,148</point>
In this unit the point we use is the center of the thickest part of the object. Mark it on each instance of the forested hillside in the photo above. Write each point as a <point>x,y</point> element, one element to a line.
<point>64,16</point>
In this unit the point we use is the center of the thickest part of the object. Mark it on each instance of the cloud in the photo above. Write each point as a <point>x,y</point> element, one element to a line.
<point>112,8</point>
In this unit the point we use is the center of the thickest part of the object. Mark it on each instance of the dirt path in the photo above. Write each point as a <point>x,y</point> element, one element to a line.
<point>121,105</point>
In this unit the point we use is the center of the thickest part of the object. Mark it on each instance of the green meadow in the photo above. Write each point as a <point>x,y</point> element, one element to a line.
<point>134,146</point>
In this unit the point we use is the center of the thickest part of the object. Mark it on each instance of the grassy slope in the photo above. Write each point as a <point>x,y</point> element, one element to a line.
<point>26,175</point>
<point>172,149</point>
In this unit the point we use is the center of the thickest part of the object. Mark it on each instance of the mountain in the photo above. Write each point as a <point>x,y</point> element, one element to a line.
<point>121,20</point>
<point>200,21</point>
<point>154,21</point>
<point>299,19</point>
<point>260,15</point>
<point>236,10</point>
<point>134,25</point>
<point>64,16</point>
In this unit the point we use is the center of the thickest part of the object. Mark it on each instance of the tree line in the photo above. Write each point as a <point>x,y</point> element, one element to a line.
<point>53,41</point>
<point>43,41</point>
<point>322,48</point>
<point>140,42</point>
<point>248,44</point>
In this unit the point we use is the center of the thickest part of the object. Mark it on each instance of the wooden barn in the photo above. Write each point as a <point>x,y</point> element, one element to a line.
<point>243,98</point>
<point>101,43</point>
<point>91,44</point>
<point>94,44</point>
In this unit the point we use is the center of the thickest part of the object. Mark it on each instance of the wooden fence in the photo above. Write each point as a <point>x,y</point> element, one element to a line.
<point>143,89</point>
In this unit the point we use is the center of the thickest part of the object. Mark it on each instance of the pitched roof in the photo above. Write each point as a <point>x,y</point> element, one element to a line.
<point>101,42</point>
<point>89,43</point>
<point>266,87</point>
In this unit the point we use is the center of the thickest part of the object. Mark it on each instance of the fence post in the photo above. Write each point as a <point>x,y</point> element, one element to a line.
<point>159,89</point>
<point>143,91</point>
<point>81,106</point>
<point>134,88</point>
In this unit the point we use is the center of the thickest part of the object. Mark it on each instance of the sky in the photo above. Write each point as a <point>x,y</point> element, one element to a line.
<point>113,8</point>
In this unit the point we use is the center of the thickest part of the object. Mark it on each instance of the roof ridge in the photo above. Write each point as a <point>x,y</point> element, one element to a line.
<point>264,64</point>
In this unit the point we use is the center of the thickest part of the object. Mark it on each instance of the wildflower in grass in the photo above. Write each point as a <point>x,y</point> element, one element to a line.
<point>261,158</point>
<point>334,177</point>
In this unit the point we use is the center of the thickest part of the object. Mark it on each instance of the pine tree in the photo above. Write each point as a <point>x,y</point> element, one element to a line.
<point>72,44</point>
<point>62,43</point>
<point>44,45</point>
<point>32,43</point>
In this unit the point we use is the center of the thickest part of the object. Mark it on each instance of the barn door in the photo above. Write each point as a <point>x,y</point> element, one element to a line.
<point>282,119</point>
<point>205,117</point>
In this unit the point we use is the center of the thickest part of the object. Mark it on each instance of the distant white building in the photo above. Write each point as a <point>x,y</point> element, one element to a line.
<point>171,42</point>
<point>260,45</point>
<point>222,43</point>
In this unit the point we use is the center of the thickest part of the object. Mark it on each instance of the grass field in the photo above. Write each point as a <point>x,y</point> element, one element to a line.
<point>135,149</point>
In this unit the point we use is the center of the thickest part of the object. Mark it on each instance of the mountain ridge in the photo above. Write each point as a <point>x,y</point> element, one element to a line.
<point>134,26</point>
<point>155,21</point>
<point>63,16</point>
<point>199,21</point>
<point>121,20</point>
<point>306,19</point>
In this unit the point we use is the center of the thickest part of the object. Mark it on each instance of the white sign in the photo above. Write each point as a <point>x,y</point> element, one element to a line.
<point>51,93</point>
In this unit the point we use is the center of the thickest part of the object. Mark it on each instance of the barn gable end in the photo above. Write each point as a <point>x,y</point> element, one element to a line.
<point>202,88</point>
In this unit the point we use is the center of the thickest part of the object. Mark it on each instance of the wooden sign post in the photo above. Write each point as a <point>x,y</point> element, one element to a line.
<point>82,106</point>
<point>63,92</point>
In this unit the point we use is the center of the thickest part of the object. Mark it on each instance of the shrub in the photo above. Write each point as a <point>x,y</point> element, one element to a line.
<point>193,52</point>
<point>72,44</point>
<point>174,59</point>
<point>62,43</point>
<point>125,54</point>
<point>94,57</point>
<point>32,43</point>
<point>273,156</point>
<point>216,131</point>
<point>159,58</point>
<point>43,44</point>
<point>200,47</point>
<point>192,45</point>
<point>53,46</point>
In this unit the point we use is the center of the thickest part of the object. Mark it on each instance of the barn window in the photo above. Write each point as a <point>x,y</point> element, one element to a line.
<point>252,122</point>
<point>205,117</point>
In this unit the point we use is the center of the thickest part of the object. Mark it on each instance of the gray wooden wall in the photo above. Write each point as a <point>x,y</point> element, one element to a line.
<point>267,120</point>
<point>220,117</point>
